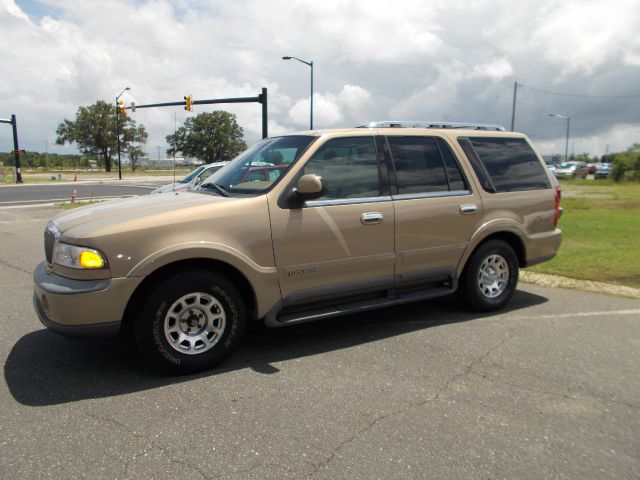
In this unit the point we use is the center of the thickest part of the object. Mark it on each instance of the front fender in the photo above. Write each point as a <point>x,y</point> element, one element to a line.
<point>263,280</point>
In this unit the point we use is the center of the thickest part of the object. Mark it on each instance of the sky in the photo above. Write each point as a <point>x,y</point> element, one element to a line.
<point>373,60</point>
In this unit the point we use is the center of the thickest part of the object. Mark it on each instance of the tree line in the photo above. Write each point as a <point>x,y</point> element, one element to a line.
<point>625,165</point>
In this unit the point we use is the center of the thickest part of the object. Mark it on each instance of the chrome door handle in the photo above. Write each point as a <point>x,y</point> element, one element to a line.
<point>371,218</point>
<point>468,208</point>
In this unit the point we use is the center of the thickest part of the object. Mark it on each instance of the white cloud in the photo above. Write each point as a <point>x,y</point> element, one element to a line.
<point>497,69</point>
<point>330,109</point>
<point>410,59</point>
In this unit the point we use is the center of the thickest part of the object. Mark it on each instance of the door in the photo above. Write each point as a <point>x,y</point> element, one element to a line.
<point>436,210</point>
<point>343,241</point>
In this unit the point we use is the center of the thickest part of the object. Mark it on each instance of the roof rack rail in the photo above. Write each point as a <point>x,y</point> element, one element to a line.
<point>422,124</point>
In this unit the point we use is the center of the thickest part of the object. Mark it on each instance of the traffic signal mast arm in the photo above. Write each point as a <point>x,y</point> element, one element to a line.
<point>188,102</point>
<point>257,99</point>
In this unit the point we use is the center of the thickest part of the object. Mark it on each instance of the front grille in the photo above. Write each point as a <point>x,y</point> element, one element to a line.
<point>50,236</point>
<point>49,242</point>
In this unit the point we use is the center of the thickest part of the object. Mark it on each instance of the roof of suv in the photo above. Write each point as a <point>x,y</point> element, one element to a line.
<point>422,127</point>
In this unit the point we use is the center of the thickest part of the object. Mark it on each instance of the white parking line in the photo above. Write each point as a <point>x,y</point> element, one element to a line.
<point>635,311</point>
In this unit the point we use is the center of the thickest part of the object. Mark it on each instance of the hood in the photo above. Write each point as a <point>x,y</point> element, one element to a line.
<point>116,216</point>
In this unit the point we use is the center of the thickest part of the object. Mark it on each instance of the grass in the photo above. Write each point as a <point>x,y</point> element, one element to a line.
<point>69,205</point>
<point>601,226</point>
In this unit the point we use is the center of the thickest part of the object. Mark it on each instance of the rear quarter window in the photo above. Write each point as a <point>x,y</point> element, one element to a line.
<point>510,163</point>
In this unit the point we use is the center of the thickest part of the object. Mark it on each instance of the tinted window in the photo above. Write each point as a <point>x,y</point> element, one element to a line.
<point>454,175</point>
<point>424,164</point>
<point>348,167</point>
<point>510,163</point>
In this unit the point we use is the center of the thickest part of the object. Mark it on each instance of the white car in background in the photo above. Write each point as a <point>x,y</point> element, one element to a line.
<point>191,180</point>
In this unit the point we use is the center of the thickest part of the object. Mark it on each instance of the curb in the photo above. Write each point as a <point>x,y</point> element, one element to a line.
<point>586,285</point>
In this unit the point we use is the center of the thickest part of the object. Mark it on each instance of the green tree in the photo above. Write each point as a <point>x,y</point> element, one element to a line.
<point>211,137</point>
<point>94,131</point>
<point>626,165</point>
<point>135,138</point>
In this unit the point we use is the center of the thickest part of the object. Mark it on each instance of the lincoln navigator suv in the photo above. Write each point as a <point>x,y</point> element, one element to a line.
<point>303,227</point>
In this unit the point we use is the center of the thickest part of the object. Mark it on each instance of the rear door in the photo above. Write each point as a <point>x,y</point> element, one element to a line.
<point>436,209</point>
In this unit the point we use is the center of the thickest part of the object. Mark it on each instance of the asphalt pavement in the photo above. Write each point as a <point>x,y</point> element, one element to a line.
<point>44,193</point>
<point>548,388</point>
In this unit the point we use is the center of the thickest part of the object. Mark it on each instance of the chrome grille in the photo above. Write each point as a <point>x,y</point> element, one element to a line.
<point>51,234</point>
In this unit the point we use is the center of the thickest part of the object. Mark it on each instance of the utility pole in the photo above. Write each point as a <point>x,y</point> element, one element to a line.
<point>513,109</point>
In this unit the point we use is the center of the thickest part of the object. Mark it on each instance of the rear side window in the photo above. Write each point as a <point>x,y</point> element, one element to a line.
<point>509,163</point>
<point>424,165</point>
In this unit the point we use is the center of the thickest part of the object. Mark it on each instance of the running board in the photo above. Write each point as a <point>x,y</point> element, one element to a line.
<point>283,317</point>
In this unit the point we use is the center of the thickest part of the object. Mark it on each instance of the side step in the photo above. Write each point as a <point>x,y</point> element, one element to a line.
<point>289,316</point>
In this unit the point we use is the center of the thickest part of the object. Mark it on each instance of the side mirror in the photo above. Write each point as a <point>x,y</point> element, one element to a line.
<point>309,187</point>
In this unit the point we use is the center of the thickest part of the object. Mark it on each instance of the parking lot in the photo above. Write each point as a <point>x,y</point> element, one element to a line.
<point>548,388</point>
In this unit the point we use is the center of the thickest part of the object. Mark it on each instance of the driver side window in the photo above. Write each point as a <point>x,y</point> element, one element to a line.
<point>348,167</point>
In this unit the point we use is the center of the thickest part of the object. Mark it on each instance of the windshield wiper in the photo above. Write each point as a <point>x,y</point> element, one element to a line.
<point>214,186</point>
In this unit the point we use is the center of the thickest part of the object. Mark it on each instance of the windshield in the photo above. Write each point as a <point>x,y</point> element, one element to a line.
<point>193,174</point>
<point>255,170</point>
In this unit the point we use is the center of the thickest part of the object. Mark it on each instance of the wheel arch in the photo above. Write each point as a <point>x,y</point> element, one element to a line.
<point>510,238</point>
<point>235,276</point>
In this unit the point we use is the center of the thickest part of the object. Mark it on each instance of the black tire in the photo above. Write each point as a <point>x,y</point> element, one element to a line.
<point>478,291</point>
<point>215,320</point>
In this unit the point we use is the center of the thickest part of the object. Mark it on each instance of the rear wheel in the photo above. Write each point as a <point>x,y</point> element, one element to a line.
<point>191,322</point>
<point>490,277</point>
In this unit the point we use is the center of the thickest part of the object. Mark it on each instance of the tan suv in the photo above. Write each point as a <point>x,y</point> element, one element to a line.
<point>303,227</point>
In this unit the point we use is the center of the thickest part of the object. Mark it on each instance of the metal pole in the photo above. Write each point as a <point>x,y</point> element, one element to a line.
<point>118,137</point>
<point>311,120</point>
<point>118,131</point>
<point>16,148</point>
<point>263,101</point>
<point>513,109</point>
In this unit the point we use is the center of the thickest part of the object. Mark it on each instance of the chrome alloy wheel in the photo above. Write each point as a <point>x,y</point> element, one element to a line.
<point>493,276</point>
<point>194,323</point>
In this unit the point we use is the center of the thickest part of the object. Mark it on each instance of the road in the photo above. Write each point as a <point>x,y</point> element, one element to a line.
<point>16,195</point>
<point>548,388</point>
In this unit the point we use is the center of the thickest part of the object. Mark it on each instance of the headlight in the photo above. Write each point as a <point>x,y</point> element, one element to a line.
<point>78,257</point>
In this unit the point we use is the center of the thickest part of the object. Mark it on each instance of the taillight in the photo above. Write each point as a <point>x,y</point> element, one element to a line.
<point>557,202</point>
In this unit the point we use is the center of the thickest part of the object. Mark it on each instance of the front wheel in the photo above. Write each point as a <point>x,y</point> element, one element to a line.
<point>191,322</point>
<point>490,277</point>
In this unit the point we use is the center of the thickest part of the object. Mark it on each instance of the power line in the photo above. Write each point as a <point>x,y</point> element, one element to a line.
<point>561,94</point>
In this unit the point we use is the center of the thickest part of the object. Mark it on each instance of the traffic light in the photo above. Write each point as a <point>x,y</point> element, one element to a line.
<point>187,103</point>
<point>121,108</point>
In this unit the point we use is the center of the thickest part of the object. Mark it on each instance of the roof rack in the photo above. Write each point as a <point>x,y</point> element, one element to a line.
<point>422,124</point>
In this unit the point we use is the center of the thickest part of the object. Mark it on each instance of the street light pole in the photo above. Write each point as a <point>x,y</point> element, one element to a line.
<point>566,146</point>
<point>118,132</point>
<point>310,64</point>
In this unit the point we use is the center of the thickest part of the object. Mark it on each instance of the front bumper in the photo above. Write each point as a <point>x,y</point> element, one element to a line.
<point>81,307</point>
